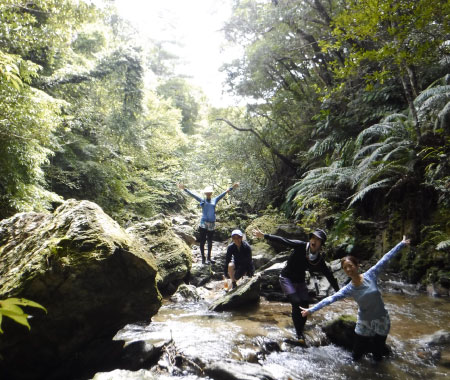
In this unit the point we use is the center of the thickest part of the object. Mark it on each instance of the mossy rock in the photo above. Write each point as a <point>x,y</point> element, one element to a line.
<point>173,256</point>
<point>341,331</point>
<point>90,275</point>
<point>267,223</point>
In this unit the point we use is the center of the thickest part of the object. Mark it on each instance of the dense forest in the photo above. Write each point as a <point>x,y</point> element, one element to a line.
<point>347,117</point>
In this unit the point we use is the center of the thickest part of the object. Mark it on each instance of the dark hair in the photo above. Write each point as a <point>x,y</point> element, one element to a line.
<point>352,259</point>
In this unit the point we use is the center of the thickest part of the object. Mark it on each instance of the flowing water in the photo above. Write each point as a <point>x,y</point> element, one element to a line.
<point>213,336</point>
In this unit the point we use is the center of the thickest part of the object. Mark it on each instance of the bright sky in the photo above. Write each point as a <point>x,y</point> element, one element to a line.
<point>196,25</point>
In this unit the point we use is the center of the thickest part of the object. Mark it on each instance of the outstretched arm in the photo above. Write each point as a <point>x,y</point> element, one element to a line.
<point>381,264</point>
<point>218,198</point>
<point>344,292</point>
<point>288,242</point>
<point>195,196</point>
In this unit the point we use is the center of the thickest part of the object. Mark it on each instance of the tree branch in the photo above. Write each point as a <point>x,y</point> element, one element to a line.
<point>281,156</point>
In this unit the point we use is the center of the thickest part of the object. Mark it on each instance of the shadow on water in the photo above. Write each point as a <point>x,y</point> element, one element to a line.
<point>240,335</point>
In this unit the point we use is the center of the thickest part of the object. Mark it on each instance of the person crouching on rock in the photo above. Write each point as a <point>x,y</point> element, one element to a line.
<point>238,260</point>
<point>373,323</point>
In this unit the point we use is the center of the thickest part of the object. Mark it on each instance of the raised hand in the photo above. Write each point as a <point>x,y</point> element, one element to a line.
<point>258,233</point>
<point>405,240</point>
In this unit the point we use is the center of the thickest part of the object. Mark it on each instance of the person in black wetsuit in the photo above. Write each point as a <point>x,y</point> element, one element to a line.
<point>305,256</point>
<point>238,259</point>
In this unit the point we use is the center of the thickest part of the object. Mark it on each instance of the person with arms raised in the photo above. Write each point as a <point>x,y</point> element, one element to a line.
<point>208,219</point>
<point>373,323</point>
<point>305,256</point>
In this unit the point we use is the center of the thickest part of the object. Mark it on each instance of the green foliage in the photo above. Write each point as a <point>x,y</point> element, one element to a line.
<point>181,94</point>
<point>29,117</point>
<point>385,40</point>
<point>311,211</point>
<point>383,156</point>
<point>10,308</point>
<point>343,231</point>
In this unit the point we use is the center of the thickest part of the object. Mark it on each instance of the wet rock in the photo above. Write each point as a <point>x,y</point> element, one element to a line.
<point>262,253</point>
<point>92,277</point>
<point>270,283</point>
<point>245,294</point>
<point>200,274</point>
<point>437,290</point>
<point>140,355</point>
<point>186,233</point>
<point>229,369</point>
<point>341,331</point>
<point>172,255</point>
<point>178,220</point>
<point>439,338</point>
<point>185,293</point>
<point>120,374</point>
<point>267,346</point>
<point>435,348</point>
<point>222,231</point>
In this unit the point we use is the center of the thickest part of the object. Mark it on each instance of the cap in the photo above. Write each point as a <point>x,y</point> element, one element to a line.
<point>208,189</point>
<point>321,234</point>
<point>237,232</point>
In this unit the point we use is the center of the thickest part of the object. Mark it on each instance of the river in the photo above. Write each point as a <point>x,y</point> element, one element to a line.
<point>215,337</point>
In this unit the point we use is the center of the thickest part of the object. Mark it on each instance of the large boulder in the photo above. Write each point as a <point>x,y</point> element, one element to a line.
<point>90,275</point>
<point>172,254</point>
<point>262,253</point>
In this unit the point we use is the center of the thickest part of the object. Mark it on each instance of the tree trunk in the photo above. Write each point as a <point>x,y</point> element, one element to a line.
<point>410,99</point>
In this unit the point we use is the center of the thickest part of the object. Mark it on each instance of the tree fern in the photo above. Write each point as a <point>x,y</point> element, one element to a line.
<point>375,132</point>
<point>443,245</point>
<point>395,117</point>
<point>362,193</point>
<point>431,92</point>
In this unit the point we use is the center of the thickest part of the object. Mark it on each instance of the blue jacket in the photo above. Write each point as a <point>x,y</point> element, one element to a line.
<point>208,206</point>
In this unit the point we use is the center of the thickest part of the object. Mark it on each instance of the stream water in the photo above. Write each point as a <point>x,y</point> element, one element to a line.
<point>213,336</point>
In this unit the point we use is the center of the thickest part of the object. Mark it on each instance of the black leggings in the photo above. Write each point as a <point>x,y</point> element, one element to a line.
<point>205,235</point>
<point>366,344</point>
<point>297,318</point>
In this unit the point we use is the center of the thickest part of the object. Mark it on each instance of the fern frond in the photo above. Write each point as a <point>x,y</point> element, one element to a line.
<point>365,151</point>
<point>328,182</point>
<point>401,151</point>
<point>366,190</point>
<point>429,92</point>
<point>324,146</point>
<point>375,131</point>
<point>377,154</point>
<point>395,117</point>
<point>443,245</point>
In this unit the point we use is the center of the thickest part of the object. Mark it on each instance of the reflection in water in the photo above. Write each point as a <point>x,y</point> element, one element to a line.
<point>212,336</point>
